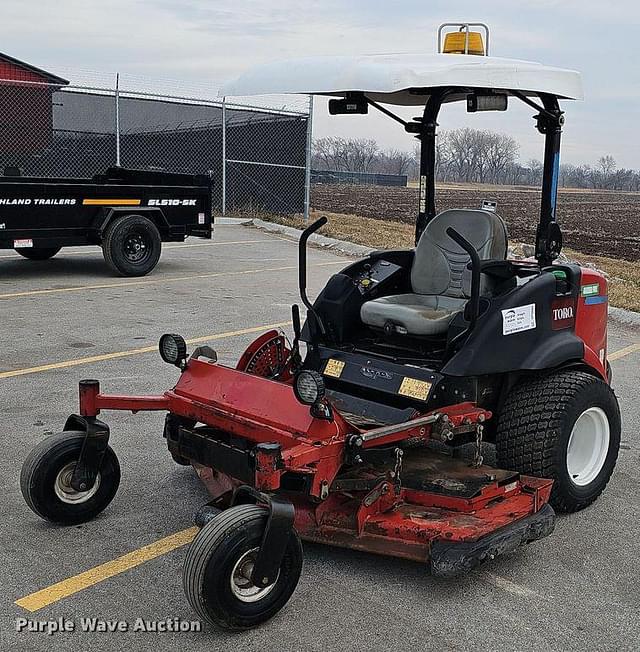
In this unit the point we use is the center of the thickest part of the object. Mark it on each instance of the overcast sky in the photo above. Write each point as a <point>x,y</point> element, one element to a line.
<point>205,42</point>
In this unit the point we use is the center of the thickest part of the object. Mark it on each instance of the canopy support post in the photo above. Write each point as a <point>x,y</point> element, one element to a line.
<point>427,136</point>
<point>548,236</point>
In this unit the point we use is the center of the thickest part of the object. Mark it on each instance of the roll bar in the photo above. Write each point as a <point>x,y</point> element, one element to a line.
<point>549,120</point>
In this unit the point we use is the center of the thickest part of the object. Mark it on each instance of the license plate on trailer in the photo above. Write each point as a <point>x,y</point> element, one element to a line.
<point>22,244</point>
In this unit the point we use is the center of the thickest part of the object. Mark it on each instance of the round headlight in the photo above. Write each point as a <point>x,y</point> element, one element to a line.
<point>173,348</point>
<point>309,387</point>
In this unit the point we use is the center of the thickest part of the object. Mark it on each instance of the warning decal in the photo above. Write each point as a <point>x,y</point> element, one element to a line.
<point>518,319</point>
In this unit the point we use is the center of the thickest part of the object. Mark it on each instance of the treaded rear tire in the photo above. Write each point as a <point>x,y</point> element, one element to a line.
<point>38,253</point>
<point>115,240</point>
<point>535,425</point>
<point>209,564</point>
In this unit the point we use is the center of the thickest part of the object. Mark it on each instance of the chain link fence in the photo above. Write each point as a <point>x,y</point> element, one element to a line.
<point>257,149</point>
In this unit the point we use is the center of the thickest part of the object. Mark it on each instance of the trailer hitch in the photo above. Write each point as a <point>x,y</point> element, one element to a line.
<point>276,533</point>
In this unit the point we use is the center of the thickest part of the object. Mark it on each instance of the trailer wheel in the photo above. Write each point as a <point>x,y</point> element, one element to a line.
<point>131,245</point>
<point>217,570</point>
<point>565,427</point>
<point>38,253</point>
<point>46,476</point>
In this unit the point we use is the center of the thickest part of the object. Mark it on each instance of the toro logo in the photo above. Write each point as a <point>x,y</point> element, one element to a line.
<point>370,372</point>
<point>563,313</point>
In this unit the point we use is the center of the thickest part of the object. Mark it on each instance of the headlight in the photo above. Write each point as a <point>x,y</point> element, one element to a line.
<point>173,349</point>
<point>308,387</point>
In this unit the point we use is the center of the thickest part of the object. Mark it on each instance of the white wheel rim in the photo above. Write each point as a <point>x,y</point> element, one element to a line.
<point>588,446</point>
<point>66,493</point>
<point>241,585</point>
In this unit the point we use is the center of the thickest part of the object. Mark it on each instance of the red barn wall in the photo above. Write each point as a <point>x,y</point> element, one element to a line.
<point>26,112</point>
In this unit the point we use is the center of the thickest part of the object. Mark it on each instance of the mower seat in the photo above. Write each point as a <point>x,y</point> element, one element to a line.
<point>439,277</point>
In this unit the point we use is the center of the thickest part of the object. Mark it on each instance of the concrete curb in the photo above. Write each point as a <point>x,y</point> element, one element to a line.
<point>624,317</point>
<point>620,315</point>
<point>231,221</point>
<point>348,248</point>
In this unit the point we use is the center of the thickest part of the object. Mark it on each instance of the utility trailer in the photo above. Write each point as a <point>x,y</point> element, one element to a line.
<point>129,213</point>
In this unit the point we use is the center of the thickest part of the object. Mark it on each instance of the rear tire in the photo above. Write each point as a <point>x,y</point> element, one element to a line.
<point>45,477</point>
<point>38,253</point>
<point>213,578</point>
<point>132,245</point>
<point>565,427</point>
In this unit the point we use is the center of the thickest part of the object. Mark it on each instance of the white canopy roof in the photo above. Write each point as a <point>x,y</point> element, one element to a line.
<point>388,78</point>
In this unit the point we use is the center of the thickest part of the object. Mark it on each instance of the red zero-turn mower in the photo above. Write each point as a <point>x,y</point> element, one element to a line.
<point>410,358</point>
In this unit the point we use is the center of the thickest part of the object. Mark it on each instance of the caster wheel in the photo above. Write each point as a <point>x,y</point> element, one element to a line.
<point>45,481</point>
<point>217,570</point>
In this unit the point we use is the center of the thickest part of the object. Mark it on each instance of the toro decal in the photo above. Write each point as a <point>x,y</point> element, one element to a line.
<point>563,313</point>
<point>370,372</point>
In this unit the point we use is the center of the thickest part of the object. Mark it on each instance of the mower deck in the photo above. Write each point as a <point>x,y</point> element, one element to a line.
<point>443,511</point>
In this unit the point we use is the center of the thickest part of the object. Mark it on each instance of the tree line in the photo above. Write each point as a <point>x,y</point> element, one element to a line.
<point>468,156</point>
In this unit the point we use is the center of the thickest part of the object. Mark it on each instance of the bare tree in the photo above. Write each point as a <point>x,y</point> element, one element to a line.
<point>607,165</point>
<point>467,155</point>
<point>501,152</point>
<point>395,161</point>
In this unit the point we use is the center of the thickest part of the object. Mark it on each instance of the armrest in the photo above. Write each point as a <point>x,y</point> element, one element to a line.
<point>503,270</point>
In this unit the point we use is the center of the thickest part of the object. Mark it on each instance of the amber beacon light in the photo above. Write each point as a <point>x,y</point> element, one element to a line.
<point>464,40</point>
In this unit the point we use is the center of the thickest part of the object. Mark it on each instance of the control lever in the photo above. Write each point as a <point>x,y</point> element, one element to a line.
<point>295,347</point>
<point>474,301</point>
<point>302,268</point>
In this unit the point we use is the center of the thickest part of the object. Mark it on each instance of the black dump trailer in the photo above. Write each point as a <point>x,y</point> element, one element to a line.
<point>129,213</point>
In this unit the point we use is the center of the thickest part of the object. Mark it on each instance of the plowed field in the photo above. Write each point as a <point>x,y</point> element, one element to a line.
<point>603,223</point>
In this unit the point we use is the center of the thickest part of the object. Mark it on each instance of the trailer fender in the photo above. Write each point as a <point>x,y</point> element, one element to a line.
<point>105,217</point>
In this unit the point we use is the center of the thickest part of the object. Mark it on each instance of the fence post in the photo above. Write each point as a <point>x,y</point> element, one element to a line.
<point>307,169</point>
<point>224,156</point>
<point>117,98</point>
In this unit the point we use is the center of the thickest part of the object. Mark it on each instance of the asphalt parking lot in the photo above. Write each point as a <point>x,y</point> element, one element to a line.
<point>69,319</point>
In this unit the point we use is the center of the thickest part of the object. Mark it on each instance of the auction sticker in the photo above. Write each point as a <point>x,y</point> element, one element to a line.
<point>518,319</point>
<point>20,244</point>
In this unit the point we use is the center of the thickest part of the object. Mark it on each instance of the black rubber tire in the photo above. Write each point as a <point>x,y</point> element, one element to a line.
<point>39,472</point>
<point>116,237</point>
<point>38,253</point>
<point>534,429</point>
<point>206,576</point>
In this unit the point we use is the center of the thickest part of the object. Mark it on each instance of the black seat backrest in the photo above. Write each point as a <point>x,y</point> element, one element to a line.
<point>440,263</point>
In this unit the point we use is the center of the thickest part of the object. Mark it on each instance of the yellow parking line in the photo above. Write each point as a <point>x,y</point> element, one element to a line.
<point>123,354</point>
<point>164,247</point>
<point>621,353</point>
<point>79,582</point>
<point>154,281</point>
